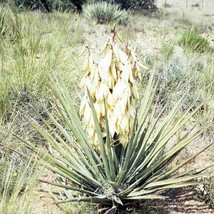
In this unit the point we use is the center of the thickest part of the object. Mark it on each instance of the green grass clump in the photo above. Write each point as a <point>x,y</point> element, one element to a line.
<point>191,40</point>
<point>16,185</point>
<point>103,13</point>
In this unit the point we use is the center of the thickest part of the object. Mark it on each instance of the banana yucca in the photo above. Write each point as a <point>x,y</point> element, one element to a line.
<point>93,168</point>
<point>113,79</point>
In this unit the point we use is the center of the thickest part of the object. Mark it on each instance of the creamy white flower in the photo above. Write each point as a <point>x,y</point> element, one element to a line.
<point>112,79</point>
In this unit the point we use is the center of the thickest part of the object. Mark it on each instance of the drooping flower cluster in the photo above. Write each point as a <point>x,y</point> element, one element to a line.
<point>112,79</point>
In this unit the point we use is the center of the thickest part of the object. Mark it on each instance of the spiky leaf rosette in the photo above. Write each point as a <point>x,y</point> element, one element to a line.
<point>113,79</point>
<point>144,169</point>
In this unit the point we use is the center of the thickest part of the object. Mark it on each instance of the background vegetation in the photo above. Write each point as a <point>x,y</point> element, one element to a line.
<point>34,46</point>
<point>76,5</point>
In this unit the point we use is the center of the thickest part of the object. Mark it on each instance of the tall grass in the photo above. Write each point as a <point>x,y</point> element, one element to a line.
<point>31,52</point>
<point>16,189</point>
<point>33,47</point>
<point>18,177</point>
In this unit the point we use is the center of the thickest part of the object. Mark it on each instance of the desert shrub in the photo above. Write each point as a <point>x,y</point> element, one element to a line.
<point>191,75</point>
<point>138,4</point>
<point>29,55</point>
<point>48,5</point>
<point>191,40</point>
<point>175,72</point>
<point>103,12</point>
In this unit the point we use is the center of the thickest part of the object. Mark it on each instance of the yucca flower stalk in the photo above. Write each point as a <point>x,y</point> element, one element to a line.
<point>112,79</point>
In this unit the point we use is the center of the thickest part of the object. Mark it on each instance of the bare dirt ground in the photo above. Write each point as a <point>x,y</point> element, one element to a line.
<point>182,201</point>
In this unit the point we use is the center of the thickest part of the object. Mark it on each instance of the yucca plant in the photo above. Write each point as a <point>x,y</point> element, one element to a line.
<point>92,159</point>
<point>104,13</point>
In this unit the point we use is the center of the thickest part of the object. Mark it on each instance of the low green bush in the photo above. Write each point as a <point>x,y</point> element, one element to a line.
<point>48,5</point>
<point>138,4</point>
